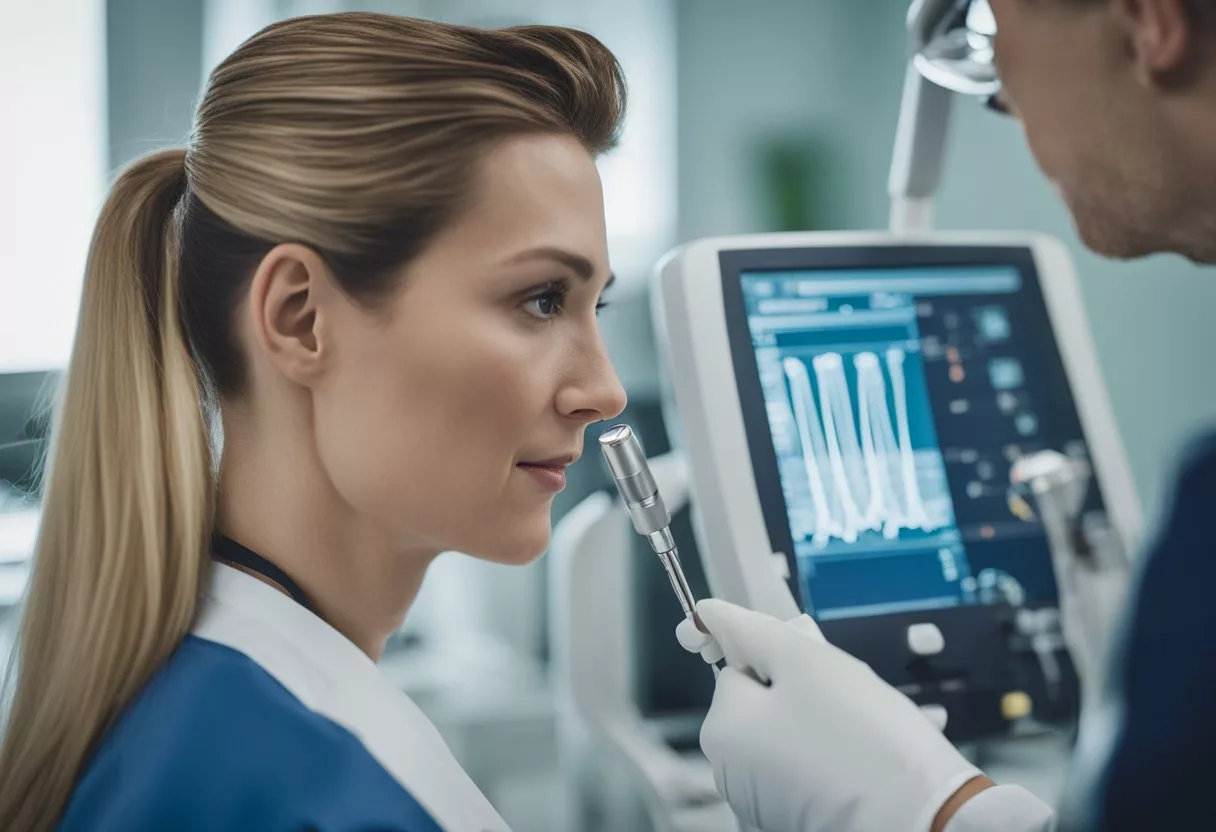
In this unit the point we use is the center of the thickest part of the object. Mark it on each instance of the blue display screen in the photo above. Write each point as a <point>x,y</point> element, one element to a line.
<point>894,403</point>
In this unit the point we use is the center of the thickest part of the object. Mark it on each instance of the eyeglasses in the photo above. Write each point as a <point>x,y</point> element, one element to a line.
<point>952,43</point>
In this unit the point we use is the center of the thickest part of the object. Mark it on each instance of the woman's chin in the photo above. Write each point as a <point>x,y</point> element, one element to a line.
<point>519,548</point>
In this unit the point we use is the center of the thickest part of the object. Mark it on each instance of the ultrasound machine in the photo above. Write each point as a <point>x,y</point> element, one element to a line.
<point>851,406</point>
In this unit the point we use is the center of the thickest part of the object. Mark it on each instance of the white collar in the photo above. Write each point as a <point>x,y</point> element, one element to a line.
<point>334,678</point>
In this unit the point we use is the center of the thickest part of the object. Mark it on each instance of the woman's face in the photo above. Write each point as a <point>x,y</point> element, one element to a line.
<point>447,419</point>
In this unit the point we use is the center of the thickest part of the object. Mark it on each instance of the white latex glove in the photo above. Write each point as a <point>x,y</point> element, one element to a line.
<point>826,744</point>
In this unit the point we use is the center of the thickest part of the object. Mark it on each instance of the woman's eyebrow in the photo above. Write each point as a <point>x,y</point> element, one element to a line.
<point>577,263</point>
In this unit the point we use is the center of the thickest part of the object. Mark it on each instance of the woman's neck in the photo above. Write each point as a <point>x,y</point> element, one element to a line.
<point>277,501</point>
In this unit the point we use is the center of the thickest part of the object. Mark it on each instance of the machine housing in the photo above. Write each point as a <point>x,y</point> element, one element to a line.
<point>1030,368</point>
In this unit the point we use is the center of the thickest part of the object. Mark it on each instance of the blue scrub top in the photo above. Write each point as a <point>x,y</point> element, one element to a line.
<point>266,718</point>
<point>1162,769</point>
<point>213,742</point>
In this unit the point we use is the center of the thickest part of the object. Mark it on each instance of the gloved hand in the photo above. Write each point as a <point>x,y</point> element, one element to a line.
<point>822,743</point>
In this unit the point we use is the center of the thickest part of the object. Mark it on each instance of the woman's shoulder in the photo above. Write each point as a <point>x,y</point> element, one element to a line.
<point>215,742</point>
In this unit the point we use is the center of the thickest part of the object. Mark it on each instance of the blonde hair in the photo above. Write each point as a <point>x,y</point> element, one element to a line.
<point>356,134</point>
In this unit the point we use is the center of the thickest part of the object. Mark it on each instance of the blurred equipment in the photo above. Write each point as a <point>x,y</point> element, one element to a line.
<point>24,422</point>
<point>852,406</point>
<point>951,46</point>
<point>1091,566</point>
<point>608,750</point>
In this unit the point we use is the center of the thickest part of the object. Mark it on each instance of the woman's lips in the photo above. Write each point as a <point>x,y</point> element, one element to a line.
<point>551,477</point>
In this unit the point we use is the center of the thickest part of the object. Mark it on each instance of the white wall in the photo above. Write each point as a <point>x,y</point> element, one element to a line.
<point>832,72</point>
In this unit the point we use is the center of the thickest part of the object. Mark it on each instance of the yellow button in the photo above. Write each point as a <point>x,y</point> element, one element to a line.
<point>1016,704</point>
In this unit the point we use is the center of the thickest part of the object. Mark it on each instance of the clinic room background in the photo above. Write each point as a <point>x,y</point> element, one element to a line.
<point>744,117</point>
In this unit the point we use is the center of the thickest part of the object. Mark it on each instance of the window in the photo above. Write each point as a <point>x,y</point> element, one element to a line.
<point>52,173</point>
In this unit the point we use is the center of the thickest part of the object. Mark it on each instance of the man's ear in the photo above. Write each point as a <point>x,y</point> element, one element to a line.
<point>286,305</point>
<point>1160,33</point>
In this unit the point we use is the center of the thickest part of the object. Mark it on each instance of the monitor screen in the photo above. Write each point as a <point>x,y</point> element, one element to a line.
<point>885,404</point>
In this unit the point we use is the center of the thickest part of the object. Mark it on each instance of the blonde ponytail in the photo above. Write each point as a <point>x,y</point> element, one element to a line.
<point>127,505</point>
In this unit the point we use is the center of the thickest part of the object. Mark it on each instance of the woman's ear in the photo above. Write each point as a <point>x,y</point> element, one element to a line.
<point>287,306</point>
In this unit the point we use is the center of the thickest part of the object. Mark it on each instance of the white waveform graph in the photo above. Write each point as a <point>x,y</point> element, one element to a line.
<point>861,474</point>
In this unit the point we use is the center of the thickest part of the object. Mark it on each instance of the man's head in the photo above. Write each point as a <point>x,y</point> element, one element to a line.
<point>1118,100</point>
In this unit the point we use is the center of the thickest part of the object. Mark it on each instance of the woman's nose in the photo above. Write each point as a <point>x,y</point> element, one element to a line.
<point>594,393</point>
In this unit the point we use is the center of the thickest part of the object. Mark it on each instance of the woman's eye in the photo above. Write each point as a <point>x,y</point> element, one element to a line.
<point>546,305</point>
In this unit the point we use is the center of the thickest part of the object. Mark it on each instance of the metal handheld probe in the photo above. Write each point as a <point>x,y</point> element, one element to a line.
<point>640,493</point>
